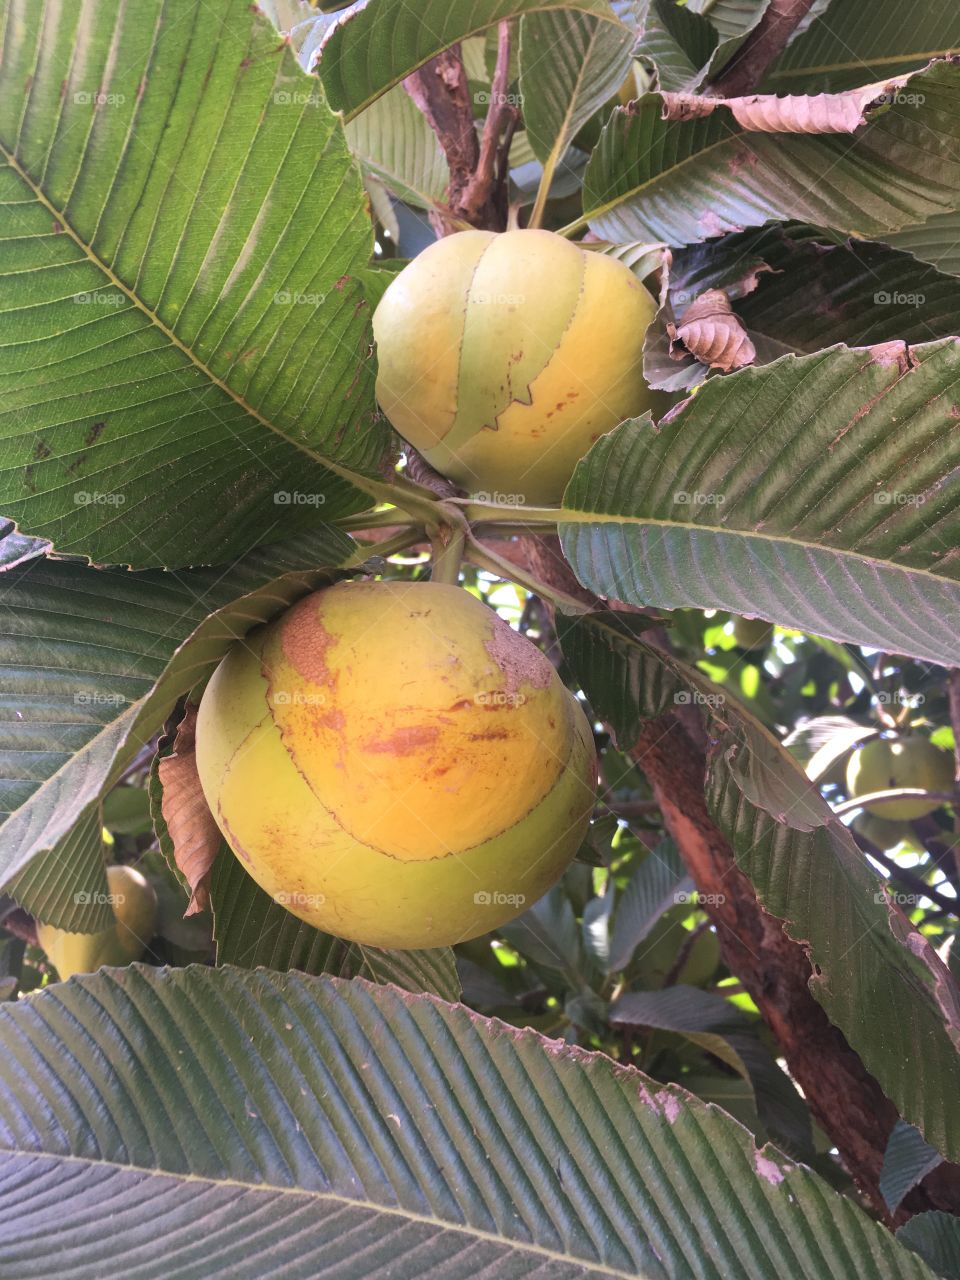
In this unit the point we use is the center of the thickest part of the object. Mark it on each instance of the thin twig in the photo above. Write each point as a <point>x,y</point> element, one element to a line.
<point>683,955</point>
<point>907,879</point>
<point>487,187</point>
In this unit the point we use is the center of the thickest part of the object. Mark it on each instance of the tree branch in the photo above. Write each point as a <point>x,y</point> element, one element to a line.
<point>844,1098</point>
<point>743,73</point>
<point>488,185</point>
<point>847,1102</point>
<point>478,169</point>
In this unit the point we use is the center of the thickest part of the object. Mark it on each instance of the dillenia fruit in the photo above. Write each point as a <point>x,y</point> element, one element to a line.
<point>395,765</point>
<point>889,763</point>
<point>502,358</point>
<point>882,832</point>
<point>134,905</point>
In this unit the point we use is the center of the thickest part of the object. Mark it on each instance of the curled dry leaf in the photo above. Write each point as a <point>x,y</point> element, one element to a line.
<point>799,113</point>
<point>193,830</point>
<point>710,331</point>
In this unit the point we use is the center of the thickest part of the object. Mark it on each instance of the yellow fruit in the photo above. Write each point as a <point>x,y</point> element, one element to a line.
<point>395,765</point>
<point>752,633</point>
<point>502,358</point>
<point>882,832</point>
<point>887,763</point>
<point>134,905</point>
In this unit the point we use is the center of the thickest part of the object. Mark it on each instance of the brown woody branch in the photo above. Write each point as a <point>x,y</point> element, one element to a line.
<point>846,1101</point>
<point>765,43</point>
<point>478,166</point>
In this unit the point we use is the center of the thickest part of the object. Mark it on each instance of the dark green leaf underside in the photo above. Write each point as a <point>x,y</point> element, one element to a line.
<point>404,1109</point>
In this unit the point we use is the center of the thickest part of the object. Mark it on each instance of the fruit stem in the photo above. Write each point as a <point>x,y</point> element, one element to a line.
<point>484,558</point>
<point>448,542</point>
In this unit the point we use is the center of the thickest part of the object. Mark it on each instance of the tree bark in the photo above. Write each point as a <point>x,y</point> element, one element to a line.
<point>846,1101</point>
<point>477,193</point>
<point>760,50</point>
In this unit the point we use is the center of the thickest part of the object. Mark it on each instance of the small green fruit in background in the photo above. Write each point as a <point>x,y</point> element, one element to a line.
<point>395,765</point>
<point>882,832</point>
<point>888,763</point>
<point>752,633</point>
<point>502,358</point>
<point>134,905</point>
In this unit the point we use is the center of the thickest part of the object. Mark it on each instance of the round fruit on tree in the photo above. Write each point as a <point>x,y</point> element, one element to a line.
<point>883,832</point>
<point>395,765</point>
<point>134,904</point>
<point>887,764</point>
<point>502,358</point>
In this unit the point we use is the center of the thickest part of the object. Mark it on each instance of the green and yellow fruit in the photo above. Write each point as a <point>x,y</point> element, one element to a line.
<point>886,764</point>
<point>502,358</point>
<point>882,832</point>
<point>395,765</point>
<point>752,633</point>
<point>134,905</point>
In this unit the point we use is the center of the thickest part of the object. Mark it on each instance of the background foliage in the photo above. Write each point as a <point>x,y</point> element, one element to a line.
<point>197,217</point>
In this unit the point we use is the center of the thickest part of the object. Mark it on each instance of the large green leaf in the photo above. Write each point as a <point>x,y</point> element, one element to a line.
<point>678,41</point>
<point>393,141</point>
<point>820,492</point>
<point>937,240</point>
<point>252,929</point>
<point>654,886</point>
<point>67,884</point>
<point>731,18</point>
<point>935,1236</point>
<point>847,46</point>
<point>290,1126</point>
<point>704,34</point>
<point>906,1161</point>
<point>877,979</point>
<point>377,43</point>
<point>653,179</point>
<point>570,65</point>
<point>180,219</point>
<point>858,293</point>
<point>94,661</point>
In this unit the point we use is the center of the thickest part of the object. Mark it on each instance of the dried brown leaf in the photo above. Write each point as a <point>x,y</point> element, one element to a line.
<point>711,332</point>
<point>193,830</point>
<point>793,113</point>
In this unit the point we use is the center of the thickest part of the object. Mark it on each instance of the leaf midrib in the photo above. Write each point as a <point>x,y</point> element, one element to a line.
<point>860,64</point>
<point>406,1215</point>
<point>568,516</point>
<point>600,209</point>
<point>40,195</point>
<point>562,139</point>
